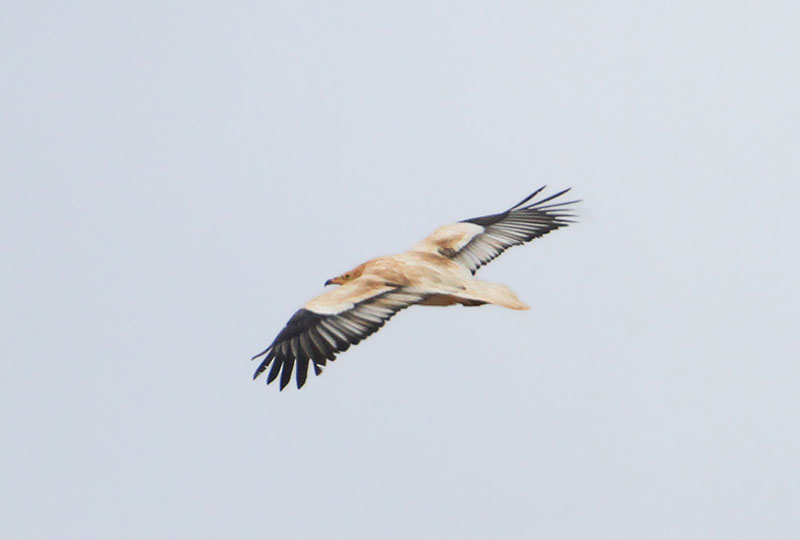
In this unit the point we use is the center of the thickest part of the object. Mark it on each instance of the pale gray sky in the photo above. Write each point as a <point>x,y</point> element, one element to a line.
<point>178,178</point>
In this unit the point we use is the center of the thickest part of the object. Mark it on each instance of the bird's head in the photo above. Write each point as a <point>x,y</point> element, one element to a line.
<point>347,276</point>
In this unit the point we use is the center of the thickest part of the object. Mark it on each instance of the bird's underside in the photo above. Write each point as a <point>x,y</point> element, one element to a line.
<point>439,271</point>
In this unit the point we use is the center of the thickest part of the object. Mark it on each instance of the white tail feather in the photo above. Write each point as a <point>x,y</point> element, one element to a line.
<point>493,293</point>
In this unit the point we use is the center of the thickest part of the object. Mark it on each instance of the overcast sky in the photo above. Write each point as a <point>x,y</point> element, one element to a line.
<point>178,178</point>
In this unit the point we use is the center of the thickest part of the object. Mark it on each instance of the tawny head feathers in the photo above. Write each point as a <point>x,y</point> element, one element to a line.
<point>347,276</point>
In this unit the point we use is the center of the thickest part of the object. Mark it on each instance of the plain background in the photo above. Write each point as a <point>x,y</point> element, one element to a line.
<point>179,177</point>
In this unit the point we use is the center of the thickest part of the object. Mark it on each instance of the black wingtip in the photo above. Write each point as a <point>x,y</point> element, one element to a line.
<point>262,353</point>
<point>485,221</point>
<point>273,373</point>
<point>526,199</point>
<point>286,372</point>
<point>537,204</point>
<point>301,369</point>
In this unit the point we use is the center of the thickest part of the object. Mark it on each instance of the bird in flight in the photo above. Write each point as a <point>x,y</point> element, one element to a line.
<point>436,272</point>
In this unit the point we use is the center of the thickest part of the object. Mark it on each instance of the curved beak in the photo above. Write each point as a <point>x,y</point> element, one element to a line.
<point>329,282</point>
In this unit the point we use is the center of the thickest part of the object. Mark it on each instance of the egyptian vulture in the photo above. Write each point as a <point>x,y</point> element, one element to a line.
<point>436,272</point>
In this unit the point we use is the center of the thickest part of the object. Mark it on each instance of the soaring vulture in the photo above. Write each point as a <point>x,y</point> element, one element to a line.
<point>436,272</point>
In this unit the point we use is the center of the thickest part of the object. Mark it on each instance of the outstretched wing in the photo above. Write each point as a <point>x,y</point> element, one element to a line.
<point>477,241</point>
<point>330,323</point>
